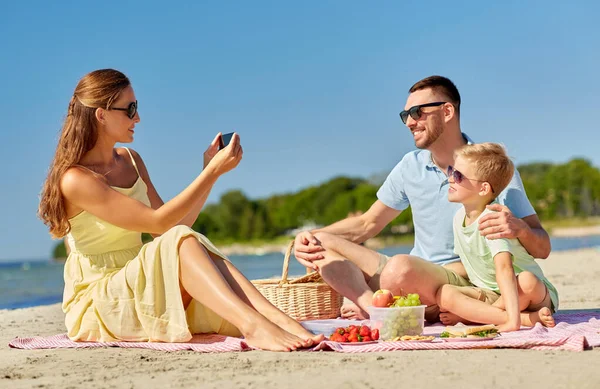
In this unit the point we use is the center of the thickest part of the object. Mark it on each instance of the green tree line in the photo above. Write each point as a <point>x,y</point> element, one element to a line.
<point>557,191</point>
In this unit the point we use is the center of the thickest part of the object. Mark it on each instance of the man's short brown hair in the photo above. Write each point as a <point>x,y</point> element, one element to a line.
<point>441,85</point>
<point>490,163</point>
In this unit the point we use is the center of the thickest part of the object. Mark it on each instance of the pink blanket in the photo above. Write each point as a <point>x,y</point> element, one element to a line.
<point>574,332</point>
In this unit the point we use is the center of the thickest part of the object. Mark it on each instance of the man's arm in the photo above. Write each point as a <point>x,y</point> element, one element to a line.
<point>534,238</point>
<point>356,229</point>
<point>529,230</point>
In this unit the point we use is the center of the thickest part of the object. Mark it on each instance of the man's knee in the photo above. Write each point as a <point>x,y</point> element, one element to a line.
<point>396,272</point>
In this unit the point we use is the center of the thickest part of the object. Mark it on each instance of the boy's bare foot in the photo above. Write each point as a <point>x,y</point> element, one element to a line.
<point>351,311</point>
<point>270,337</point>
<point>543,316</point>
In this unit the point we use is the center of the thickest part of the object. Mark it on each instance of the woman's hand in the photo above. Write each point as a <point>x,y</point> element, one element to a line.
<point>229,157</point>
<point>212,150</point>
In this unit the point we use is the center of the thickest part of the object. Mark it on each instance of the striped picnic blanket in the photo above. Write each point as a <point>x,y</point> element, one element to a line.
<point>574,332</point>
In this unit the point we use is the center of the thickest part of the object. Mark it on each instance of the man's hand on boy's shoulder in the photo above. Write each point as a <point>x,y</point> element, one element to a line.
<point>501,223</point>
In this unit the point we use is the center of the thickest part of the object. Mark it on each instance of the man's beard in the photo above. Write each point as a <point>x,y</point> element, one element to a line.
<point>431,134</point>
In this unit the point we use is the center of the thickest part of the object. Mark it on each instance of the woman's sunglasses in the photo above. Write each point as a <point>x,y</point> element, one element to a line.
<point>416,112</point>
<point>131,109</point>
<point>458,177</point>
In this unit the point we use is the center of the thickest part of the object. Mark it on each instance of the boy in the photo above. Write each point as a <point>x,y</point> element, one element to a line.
<point>509,288</point>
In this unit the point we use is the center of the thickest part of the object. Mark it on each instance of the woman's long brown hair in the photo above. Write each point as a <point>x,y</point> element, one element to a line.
<point>98,89</point>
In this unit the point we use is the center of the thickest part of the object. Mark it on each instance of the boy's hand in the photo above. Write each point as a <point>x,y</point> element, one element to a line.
<point>501,223</point>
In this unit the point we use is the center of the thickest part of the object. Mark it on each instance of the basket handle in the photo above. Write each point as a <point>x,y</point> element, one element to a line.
<point>286,264</point>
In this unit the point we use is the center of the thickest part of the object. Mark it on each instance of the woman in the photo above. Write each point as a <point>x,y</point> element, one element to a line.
<point>102,198</point>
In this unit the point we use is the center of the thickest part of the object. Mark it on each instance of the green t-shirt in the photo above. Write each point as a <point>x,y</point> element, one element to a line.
<point>477,255</point>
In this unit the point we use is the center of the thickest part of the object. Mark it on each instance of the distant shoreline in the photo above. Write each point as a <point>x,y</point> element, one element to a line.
<point>379,243</point>
<point>280,245</point>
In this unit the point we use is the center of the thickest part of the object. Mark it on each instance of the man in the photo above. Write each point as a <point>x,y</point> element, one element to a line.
<point>432,114</point>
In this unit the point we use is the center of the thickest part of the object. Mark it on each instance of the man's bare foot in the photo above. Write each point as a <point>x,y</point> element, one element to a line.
<point>351,311</point>
<point>543,316</point>
<point>449,319</point>
<point>270,337</point>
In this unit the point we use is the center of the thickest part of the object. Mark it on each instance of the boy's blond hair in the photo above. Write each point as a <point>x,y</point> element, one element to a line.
<point>490,163</point>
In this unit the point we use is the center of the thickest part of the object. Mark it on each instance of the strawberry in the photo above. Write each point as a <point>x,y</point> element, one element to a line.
<point>340,330</point>
<point>354,338</point>
<point>367,339</point>
<point>337,337</point>
<point>375,334</point>
<point>364,331</point>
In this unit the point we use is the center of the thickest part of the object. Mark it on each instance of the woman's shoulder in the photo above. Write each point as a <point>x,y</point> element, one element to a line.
<point>78,178</point>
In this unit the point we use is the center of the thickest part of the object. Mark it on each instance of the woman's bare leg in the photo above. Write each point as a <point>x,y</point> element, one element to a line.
<point>251,296</point>
<point>203,281</point>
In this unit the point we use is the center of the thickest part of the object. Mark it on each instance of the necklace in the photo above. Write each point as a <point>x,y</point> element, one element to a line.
<point>94,169</point>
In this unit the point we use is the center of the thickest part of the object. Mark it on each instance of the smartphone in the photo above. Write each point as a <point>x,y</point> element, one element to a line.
<point>225,139</point>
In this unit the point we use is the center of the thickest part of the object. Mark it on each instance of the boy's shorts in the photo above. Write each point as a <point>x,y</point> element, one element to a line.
<point>432,312</point>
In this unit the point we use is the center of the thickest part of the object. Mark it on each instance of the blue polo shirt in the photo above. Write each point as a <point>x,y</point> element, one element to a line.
<point>417,182</point>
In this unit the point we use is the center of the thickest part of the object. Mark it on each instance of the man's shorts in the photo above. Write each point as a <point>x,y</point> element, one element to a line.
<point>374,281</point>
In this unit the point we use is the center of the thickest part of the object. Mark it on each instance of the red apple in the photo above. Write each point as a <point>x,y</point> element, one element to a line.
<point>383,298</point>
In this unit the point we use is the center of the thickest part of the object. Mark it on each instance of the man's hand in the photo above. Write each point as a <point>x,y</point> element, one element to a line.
<point>307,249</point>
<point>501,224</point>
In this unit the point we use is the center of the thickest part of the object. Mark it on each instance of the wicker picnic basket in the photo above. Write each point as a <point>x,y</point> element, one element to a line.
<point>304,298</point>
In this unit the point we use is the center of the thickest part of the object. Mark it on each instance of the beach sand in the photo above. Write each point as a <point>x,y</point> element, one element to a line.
<point>576,275</point>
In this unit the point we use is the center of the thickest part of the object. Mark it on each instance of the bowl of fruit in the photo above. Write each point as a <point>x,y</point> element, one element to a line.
<point>396,316</point>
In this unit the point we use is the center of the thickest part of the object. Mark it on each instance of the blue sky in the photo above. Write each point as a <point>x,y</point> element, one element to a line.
<point>314,88</point>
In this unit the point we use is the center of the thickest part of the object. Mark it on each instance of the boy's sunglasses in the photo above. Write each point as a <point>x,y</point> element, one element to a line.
<point>131,109</point>
<point>416,112</point>
<point>458,177</point>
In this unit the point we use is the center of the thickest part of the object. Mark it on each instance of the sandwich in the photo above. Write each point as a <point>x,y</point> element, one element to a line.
<point>462,331</point>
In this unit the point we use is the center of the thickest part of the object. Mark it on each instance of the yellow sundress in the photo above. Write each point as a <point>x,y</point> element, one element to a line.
<point>117,288</point>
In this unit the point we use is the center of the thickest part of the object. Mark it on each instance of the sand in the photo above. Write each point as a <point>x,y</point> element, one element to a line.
<point>575,274</point>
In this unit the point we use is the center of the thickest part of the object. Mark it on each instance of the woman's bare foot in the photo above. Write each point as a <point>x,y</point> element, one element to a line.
<point>268,336</point>
<point>293,327</point>
<point>351,311</point>
<point>543,316</point>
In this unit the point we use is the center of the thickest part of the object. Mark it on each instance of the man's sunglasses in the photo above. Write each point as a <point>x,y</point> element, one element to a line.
<point>131,109</point>
<point>415,112</point>
<point>458,177</point>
